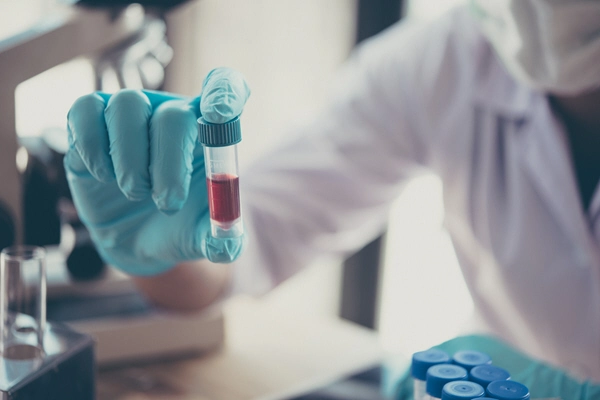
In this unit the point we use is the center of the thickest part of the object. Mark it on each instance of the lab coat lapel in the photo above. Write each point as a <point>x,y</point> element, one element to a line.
<point>543,150</point>
<point>546,158</point>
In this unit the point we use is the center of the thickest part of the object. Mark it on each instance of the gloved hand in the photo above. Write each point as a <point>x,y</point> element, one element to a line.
<point>136,173</point>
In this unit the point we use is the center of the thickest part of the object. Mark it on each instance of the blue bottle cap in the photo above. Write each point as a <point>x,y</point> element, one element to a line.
<point>439,375</point>
<point>470,358</point>
<point>422,360</point>
<point>219,135</point>
<point>508,390</point>
<point>484,374</point>
<point>462,390</point>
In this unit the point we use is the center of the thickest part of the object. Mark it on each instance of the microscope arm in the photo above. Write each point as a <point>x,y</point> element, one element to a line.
<point>68,33</point>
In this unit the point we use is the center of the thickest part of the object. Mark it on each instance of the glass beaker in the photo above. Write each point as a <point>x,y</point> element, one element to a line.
<point>22,302</point>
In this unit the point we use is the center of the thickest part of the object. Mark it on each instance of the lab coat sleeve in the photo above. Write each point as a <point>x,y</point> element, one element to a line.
<point>328,190</point>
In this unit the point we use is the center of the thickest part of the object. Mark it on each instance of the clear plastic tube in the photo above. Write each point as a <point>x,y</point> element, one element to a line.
<point>22,302</point>
<point>419,392</point>
<point>222,182</point>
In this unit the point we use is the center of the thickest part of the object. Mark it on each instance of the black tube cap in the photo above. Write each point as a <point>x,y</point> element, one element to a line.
<point>219,135</point>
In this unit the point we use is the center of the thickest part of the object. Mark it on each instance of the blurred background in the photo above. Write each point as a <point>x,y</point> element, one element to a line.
<point>289,51</point>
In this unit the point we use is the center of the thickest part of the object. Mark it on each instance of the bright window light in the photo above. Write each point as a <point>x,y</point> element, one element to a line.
<point>43,101</point>
<point>424,298</point>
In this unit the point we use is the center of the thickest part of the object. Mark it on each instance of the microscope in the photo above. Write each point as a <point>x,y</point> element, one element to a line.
<point>125,43</point>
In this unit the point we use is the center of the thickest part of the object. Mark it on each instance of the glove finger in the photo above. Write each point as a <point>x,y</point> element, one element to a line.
<point>224,251</point>
<point>80,179</point>
<point>127,116</point>
<point>217,250</point>
<point>157,98</point>
<point>224,95</point>
<point>173,138</point>
<point>75,165</point>
<point>95,201</point>
<point>88,134</point>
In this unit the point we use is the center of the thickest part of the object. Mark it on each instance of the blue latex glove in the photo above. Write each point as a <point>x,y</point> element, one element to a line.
<point>136,173</point>
<point>543,380</point>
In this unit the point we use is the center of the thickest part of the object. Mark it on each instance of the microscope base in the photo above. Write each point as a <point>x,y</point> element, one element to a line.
<point>67,372</point>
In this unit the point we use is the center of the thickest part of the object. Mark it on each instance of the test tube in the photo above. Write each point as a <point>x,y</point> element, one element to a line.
<point>508,390</point>
<point>222,177</point>
<point>485,374</point>
<point>22,302</point>
<point>421,361</point>
<point>470,358</point>
<point>462,390</point>
<point>439,375</point>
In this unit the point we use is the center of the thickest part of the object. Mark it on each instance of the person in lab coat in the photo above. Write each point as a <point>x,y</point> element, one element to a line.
<point>500,98</point>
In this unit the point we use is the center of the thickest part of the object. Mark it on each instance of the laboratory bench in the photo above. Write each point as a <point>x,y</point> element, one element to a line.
<point>268,353</point>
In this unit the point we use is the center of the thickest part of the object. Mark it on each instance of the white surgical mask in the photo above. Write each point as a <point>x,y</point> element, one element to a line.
<point>552,45</point>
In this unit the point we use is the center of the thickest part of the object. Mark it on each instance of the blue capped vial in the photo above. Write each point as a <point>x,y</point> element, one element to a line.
<point>507,390</point>
<point>470,358</point>
<point>421,362</point>
<point>485,374</point>
<point>439,375</point>
<point>462,390</point>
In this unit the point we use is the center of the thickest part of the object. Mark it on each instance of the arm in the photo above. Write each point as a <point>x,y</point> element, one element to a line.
<point>327,191</point>
<point>329,188</point>
<point>190,286</point>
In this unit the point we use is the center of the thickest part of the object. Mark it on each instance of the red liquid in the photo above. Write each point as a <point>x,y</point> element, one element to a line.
<point>224,197</point>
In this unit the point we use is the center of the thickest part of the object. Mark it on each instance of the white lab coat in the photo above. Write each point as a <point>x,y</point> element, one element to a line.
<point>433,96</point>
